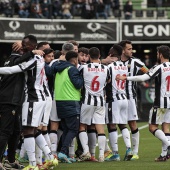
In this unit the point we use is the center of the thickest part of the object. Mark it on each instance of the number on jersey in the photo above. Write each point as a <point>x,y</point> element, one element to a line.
<point>95,84</point>
<point>121,83</point>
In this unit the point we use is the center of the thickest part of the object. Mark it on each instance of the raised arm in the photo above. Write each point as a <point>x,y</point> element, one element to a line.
<point>10,70</point>
<point>143,77</point>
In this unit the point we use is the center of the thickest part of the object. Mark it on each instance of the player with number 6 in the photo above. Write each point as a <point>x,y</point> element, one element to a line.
<point>95,77</point>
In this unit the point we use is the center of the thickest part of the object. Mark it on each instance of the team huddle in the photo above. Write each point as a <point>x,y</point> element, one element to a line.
<point>72,98</point>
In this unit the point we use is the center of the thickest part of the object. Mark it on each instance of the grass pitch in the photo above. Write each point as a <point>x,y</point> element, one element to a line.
<point>149,149</point>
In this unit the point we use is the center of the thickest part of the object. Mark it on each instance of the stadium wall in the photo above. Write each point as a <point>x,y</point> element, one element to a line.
<point>86,31</point>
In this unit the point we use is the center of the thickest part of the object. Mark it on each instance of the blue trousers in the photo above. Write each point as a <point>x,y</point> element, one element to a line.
<point>70,126</point>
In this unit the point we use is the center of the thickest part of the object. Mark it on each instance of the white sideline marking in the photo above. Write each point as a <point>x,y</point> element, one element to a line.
<point>140,128</point>
<point>120,135</point>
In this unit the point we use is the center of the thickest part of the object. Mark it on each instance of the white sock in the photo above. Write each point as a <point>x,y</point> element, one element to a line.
<point>107,148</point>
<point>160,135</point>
<point>72,148</point>
<point>92,142</point>
<point>164,147</point>
<point>113,138</point>
<point>22,151</point>
<point>84,141</point>
<point>38,155</point>
<point>29,145</point>
<point>164,150</point>
<point>167,135</point>
<point>47,138</point>
<point>54,141</point>
<point>40,141</point>
<point>126,137</point>
<point>101,142</point>
<point>135,141</point>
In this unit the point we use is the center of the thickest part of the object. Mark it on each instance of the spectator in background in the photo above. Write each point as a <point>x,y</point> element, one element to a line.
<point>45,5</point>
<point>1,7</point>
<point>108,6</point>
<point>7,6</point>
<point>158,3</point>
<point>36,10</point>
<point>100,9</point>
<point>128,9</point>
<point>57,8</point>
<point>66,7</point>
<point>23,8</point>
<point>115,7</point>
<point>77,7</point>
<point>87,10</point>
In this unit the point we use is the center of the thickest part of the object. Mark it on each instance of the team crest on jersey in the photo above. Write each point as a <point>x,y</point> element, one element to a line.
<point>6,63</point>
<point>30,109</point>
<point>13,112</point>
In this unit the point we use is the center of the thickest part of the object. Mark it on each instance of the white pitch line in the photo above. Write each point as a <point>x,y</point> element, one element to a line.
<point>140,128</point>
<point>120,135</point>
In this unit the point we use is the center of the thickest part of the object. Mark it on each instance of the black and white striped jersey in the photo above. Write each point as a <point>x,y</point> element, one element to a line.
<point>117,88</point>
<point>161,73</point>
<point>134,65</point>
<point>46,86</point>
<point>34,77</point>
<point>95,76</point>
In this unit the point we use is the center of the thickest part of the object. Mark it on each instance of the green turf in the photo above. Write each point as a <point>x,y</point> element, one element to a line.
<point>150,148</point>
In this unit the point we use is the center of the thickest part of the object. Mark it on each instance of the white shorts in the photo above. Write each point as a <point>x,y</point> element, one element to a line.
<point>53,114</point>
<point>132,110</point>
<point>46,115</point>
<point>158,116</point>
<point>116,112</point>
<point>92,114</point>
<point>32,113</point>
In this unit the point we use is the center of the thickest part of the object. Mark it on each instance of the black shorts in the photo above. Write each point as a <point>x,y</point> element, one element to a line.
<point>10,119</point>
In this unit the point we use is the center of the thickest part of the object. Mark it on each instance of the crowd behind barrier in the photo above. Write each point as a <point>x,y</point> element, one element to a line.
<point>85,9</point>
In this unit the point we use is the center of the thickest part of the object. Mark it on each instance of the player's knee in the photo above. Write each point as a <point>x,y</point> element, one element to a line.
<point>82,127</point>
<point>112,128</point>
<point>121,128</point>
<point>132,125</point>
<point>152,129</point>
<point>91,127</point>
<point>91,131</point>
<point>29,130</point>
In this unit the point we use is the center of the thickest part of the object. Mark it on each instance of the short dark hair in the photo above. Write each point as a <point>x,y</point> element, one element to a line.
<point>116,50</point>
<point>32,39</point>
<point>124,42</point>
<point>48,51</point>
<point>57,54</point>
<point>164,50</point>
<point>41,44</point>
<point>83,50</point>
<point>70,55</point>
<point>94,53</point>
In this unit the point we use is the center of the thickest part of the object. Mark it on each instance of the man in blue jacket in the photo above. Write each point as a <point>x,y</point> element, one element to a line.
<point>68,83</point>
